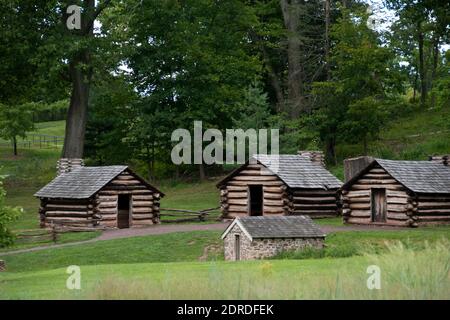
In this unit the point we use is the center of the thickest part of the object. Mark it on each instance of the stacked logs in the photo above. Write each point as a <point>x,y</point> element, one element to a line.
<point>234,194</point>
<point>315,203</point>
<point>2,266</point>
<point>357,202</point>
<point>432,209</point>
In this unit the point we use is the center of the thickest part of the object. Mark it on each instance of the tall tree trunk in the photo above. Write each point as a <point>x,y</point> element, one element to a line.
<point>14,140</point>
<point>80,70</point>
<point>436,40</point>
<point>416,78</point>
<point>422,71</point>
<point>296,100</point>
<point>202,173</point>
<point>327,38</point>
<point>331,151</point>
<point>77,114</point>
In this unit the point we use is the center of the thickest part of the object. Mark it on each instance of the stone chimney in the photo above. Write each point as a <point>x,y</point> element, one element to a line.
<point>354,166</point>
<point>315,156</point>
<point>66,165</point>
<point>440,159</point>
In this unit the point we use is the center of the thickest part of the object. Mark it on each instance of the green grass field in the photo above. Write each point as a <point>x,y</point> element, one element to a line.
<point>168,267</point>
<point>190,265</point>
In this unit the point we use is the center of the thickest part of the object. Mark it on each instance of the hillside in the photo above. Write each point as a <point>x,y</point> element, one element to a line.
<point>412,137</point>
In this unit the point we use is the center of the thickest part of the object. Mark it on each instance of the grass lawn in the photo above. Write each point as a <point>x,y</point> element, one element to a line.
<point>167,267</point>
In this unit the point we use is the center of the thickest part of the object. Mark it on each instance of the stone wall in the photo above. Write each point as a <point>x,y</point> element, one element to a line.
<point>264,248</point>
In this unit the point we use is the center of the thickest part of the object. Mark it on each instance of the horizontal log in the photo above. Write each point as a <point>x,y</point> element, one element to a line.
<point>142,209</point>
<point>325,199</point>
<point>137,204</point>
<point>268,202</point>
<point>315,212</point>
<point>143,216</point>
<point>237,195</point>
<point>360,206</point>
<point>125,177</point>
<point>314,193</point>
<point>397,200</point>
<point>434,205</point>
<point>67,214</point>
<point>256,178</point>
<point>237,188</point>
<point>377,176</point>
<point>377,186</point>
<point>433,218</point>
<point>66,207</point>
<point>396,216</point>
<point>358,194</point>
<point>311,206</point>
<point>275,190</point>
<point>247,183</point>
<point>360,214</point>
<point>433,211</point>
<point>110,204</point>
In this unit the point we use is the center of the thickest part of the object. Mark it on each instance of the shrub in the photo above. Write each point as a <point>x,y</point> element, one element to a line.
<point>7,215</point>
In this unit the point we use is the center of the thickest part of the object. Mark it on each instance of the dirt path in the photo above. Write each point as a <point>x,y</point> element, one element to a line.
<point>163,229</point>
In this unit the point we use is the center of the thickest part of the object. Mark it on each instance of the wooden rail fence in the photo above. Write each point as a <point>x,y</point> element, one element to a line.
<point>182,215</point>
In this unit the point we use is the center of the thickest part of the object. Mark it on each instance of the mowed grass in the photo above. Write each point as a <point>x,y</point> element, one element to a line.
<point>171,247</point>
<point>405,274</point>
<point>190,246</point>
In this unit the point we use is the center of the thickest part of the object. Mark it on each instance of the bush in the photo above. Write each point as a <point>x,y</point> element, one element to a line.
<point>7,215</point>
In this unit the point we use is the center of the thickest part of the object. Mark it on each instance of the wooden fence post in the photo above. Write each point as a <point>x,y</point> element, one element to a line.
<point>2,266</point>
<point>54,234</point>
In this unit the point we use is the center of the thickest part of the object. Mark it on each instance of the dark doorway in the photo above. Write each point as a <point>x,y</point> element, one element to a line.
<point>123,215</point>
<point>255,200</point>
<point>378,205</point>
<point>237,247</point>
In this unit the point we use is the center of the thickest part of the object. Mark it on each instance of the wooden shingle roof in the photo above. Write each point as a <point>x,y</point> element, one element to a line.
<point>83,182</point>
<point>295,171</point>
<point>417,176</point>
<point>277,227</point>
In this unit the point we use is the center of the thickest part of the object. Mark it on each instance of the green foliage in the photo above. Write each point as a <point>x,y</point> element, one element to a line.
<point>15,121</point>
<point>7,216</point>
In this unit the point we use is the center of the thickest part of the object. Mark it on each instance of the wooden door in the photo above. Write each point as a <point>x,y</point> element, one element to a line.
<point>255,201</point>
<point>378,205</point>
<point>123,211</point>
<point>237,247</point>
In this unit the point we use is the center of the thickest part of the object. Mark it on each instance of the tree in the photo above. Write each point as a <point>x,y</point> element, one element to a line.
<point>7,215</point>
<point>15,121</point>
<point>364,120</point>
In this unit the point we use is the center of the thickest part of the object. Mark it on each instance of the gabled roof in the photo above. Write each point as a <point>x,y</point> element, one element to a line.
<point>84,182</point>
<point>295,171</point>
<point>417,176</point>
<point>276,227</point>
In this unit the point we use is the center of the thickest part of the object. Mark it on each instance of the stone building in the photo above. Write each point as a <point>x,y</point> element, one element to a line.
<point>249,238</point>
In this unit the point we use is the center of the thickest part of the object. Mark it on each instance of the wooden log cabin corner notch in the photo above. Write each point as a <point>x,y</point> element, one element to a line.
<point>280,185</point>
<point>398,193</point>
<point>108,196</point>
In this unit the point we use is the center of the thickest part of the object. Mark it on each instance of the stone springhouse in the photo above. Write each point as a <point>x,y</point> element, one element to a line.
<point>249,238</point>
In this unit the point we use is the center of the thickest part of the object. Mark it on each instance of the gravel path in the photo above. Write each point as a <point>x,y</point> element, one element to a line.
<point>163,229</point>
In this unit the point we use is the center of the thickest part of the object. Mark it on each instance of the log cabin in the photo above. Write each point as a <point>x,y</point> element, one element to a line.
<point>280,185</point>
<point>398,193</point>
<point>109,196</point>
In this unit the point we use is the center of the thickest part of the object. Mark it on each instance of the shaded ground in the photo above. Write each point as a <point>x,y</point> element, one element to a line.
<point>164,229</point>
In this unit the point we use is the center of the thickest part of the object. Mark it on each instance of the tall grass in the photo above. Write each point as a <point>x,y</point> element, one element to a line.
<point>406,273</point>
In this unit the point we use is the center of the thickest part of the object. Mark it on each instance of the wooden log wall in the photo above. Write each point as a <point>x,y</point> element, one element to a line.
<point>102,208</point>
<point>144,202</point>
<point>315,203</point>
<point>356,202</point>
<point>432,209</point>
<point>68,212</point>
<point>234,195</point>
